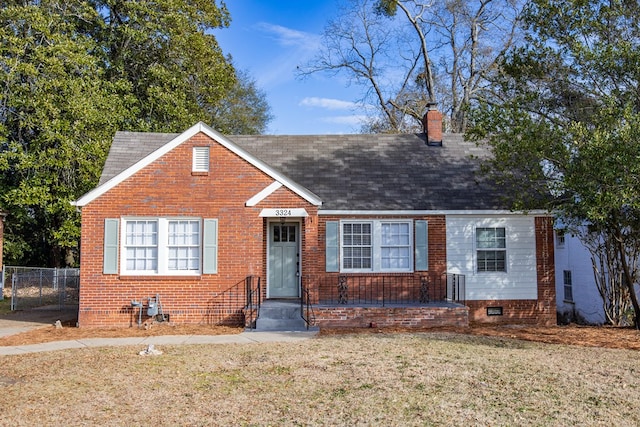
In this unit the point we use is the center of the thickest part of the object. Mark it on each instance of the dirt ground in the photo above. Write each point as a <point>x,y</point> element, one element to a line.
<point>590,336</point>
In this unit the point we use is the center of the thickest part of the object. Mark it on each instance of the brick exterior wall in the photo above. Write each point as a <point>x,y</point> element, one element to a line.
<point>385,317</point>
<point>168,188</point>
<point>541,311</point>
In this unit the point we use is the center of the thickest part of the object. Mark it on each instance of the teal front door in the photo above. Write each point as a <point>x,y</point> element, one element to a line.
<point>284,260</point>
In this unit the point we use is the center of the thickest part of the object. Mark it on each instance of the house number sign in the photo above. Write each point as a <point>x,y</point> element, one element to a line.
<point>284,212</point>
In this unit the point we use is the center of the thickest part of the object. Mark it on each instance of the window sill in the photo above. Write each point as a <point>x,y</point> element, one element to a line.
<point>199,173</point>
<point>379,273</point>
<point>159,277</point>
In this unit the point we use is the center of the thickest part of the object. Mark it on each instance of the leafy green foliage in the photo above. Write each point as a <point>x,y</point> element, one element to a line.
<point>243,110</point>
<point>386,7</point>
<point>57,114</point>
<point>71,74</point>
<point>165,50</point>
<point>567,119</point>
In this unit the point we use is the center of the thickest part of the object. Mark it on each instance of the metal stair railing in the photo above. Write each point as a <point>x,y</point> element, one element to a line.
<point>254,300</point>
<point>231,306</point>
<point>306,309</point>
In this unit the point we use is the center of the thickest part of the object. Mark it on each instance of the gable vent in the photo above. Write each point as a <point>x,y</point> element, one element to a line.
<point>200,159</point>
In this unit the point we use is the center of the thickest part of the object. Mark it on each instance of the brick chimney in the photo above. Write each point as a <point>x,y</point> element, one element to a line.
<point>432,125</point>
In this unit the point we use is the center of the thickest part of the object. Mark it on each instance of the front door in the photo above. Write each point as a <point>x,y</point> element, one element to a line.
<point>284,260</point>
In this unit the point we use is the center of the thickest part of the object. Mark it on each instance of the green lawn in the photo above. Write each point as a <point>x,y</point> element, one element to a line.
<point>369,379</point>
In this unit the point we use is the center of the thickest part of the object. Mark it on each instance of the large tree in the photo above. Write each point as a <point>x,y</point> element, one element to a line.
<point>565,127</point>
<point>74,72</point>
<point>165,50</point>
<point>406,54</point>
<point>57,114</point>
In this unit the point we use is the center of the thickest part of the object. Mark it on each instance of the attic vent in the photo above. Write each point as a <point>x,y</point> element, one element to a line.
<point>200,159</point>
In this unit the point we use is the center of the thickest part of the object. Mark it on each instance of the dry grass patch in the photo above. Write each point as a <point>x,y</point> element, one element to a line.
<point>69,332</point>
<point>363,379</point>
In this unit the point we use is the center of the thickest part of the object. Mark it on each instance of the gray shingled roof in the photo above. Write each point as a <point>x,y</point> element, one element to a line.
<point>128,148</point>
<point>355,172</point>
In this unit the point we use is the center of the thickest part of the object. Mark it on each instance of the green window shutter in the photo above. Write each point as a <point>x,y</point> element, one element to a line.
<point>210,247</point>
<point>332,247</point>
<point>422,247</point>
<point>110,255</point>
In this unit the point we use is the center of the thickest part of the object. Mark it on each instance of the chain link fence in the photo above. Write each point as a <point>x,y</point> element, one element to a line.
<point>33,287</point>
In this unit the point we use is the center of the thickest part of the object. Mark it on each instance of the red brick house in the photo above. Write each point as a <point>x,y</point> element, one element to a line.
<point>367,229</point>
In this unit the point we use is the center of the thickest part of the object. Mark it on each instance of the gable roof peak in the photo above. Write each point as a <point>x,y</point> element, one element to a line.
<point>124,141</point>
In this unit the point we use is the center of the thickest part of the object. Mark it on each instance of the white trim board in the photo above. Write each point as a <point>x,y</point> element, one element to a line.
<point>263,194</point>
<point>435,212</point>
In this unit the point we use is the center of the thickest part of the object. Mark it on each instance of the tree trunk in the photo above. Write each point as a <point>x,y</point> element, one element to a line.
<point>628,278</point>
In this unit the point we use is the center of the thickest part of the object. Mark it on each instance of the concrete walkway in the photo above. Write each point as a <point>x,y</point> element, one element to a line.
<point>18,322</point>
<point>242,338</point>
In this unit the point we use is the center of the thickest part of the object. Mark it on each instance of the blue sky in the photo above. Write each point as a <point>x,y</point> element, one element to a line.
<point>269,39</point>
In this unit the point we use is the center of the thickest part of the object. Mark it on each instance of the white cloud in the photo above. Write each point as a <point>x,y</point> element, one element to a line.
<point>285,50</point>
<point>328,103</point>
<point>289,37</point>
<point>352,120</point>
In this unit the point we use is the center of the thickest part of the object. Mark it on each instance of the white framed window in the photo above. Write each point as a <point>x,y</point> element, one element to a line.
<point>568,285</point>
<point>184,245</point>
<point>560,240</point>
<point>395,246</point>
<point>357,250</point>
<point>200,159</point>
<point>491,249</point>
<point>141,245</point>
<point>163,246</point>
<point>376,246</point>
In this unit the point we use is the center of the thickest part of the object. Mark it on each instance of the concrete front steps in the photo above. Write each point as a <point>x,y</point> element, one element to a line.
<point>281,316</point>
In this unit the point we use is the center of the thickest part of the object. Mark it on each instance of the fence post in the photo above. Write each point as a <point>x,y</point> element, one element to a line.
<point>56,286</point>
<point>40,287</point>
<point>14,290</point>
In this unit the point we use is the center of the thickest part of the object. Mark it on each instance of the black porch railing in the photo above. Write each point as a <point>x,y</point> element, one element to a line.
<point>254,300</point>
<point>385,290</point>
<point>237,304</point>
<point>306,309</point>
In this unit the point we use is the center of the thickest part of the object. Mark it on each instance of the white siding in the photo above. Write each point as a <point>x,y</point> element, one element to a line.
<point>520,279</point>
<point>587,301</point>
